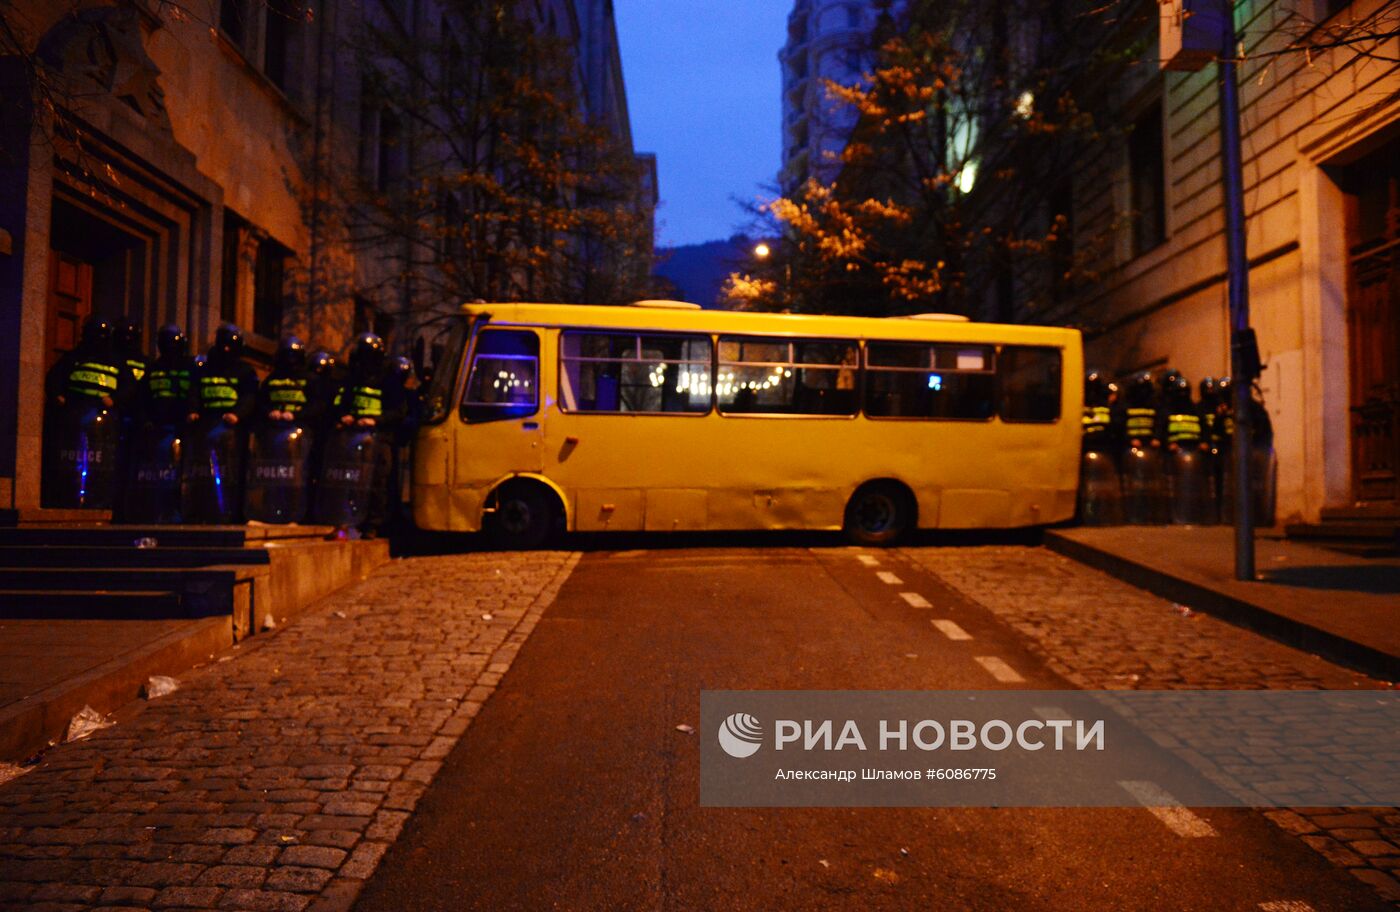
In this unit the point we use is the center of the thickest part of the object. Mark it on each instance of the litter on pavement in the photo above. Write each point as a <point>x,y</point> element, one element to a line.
<point>160,686</point>
<point>85,722</point>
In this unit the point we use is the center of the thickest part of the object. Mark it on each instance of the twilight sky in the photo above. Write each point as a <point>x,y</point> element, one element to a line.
<point>703,88</point>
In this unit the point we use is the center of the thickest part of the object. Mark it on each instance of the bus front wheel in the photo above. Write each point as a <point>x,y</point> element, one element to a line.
<point>879,513</point>
<point>526,516</point>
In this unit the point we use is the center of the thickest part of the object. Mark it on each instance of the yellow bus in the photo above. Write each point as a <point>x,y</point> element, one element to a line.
<point>664,417</point>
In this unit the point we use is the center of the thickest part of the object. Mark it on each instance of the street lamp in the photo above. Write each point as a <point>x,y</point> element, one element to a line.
<point>762,251</point>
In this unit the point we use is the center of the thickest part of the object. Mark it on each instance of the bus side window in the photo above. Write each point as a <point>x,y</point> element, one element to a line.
<point>941,381</point>
<point>634,373</point>
<point>1029,381</point>
<point>761,375</point>
<point>504,380</point>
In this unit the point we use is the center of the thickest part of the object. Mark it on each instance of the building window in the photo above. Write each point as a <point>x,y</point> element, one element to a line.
<point>232,21</point>
<point>281,22</point>
<point>1147,180</point>
<point>269,272</point>
<point>265,33</point>
<point>228,279</point>
<point>390,158</point>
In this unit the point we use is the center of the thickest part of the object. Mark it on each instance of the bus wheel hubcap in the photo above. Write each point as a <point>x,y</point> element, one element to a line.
<point>876,512</point>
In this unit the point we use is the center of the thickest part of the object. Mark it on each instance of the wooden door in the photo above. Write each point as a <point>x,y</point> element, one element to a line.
<point>1373,323</point>
<point>70,303</point>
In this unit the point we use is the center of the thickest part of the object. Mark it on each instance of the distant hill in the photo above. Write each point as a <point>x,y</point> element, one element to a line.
<point>698,270</point>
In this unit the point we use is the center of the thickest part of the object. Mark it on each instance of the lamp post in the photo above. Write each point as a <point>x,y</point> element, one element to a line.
<point>1193,33</point>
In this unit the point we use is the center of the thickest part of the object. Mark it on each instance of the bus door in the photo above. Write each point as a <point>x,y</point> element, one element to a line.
<point>504,423</point>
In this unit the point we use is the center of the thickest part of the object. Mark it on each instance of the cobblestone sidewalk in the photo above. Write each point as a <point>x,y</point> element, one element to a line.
<point>277,779</point>
<point>1100,633</point>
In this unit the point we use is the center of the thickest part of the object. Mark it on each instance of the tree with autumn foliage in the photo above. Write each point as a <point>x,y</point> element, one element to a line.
<point>490,179</point>
<point>955,175</point>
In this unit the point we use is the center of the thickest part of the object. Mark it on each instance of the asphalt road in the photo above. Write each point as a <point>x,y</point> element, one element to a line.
<point>573,789</point>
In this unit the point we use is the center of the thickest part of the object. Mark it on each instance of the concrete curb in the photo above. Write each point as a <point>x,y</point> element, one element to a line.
<point>28,725</point>
<point>1232,609</point>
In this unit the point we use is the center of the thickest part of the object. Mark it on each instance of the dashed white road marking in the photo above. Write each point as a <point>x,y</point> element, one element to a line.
<point>1000,670</point>
<point>951,630</point>
<point>1286,905</point>
<point>916,600</point>
<point>888,577</point>
<point>1160,803</point>
<point>868,559</point>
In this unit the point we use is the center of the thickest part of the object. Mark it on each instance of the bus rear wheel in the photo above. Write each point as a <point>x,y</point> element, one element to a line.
<point>879,513</point>
<point>526,517</point>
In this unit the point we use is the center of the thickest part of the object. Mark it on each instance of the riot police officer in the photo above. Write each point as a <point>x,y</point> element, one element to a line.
<point>86,390</point>
<point>397,428</point>
<point>352,451</point>
<point>1188,468</point>
<point>1100,495</point>
<point>223,392</point>
<point>158,435</point>
<point>290,403</point>
<point>1142,456</point>
<point>1263,460</point>
<point>127,339</point>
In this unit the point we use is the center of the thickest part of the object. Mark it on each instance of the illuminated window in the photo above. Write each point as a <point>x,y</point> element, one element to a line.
<point>787,377</point>
<point>908,380</point>
<point>630,372</point>
<point>1030,383</point>
<point>504,380</point>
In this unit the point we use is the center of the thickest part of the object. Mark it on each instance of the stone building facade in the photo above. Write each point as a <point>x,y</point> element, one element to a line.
<point>1321,138</point>
<point>174,169</point>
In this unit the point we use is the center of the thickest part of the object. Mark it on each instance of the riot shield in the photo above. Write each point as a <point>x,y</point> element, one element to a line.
<point>1100,492</point>
<point>277,474</point>
<point>80,457</point>
<point>1190,487</point>
<point>1142,486</point>
<point>153,487</point>
<point>212,481</point>
<point>346,481</point>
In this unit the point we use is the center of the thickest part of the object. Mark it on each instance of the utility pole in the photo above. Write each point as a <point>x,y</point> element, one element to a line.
<point>1193,32</point>
<point>1244,356</point>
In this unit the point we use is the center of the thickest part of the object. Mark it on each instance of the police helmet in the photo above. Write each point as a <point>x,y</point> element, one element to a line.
<point>367,354</point>
<point>172,342</point>
<point>97,332</point>
<point>291,354</point>
<point>1141,389</point>
<point>127,336</point>
<point>322,363</point>
<point>400,369</point>
<point>228,343</point>
<point>1177,391</point>
<point>1095,388</point>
